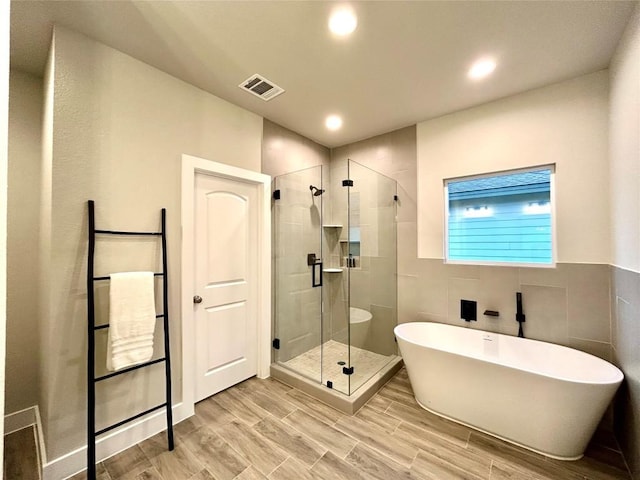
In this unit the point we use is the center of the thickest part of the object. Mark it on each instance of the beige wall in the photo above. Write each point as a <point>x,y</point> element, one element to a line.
<point>284,151</point>
<point>624,149</point>
<point>25,135</point>
<point>44,240</point>
<point>4,120</point>
<point>564,123</point>
<point>624,154</point>
<point>118,130</point>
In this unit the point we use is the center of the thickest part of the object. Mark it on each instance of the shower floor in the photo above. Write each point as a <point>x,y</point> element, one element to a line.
<point>365,364</point>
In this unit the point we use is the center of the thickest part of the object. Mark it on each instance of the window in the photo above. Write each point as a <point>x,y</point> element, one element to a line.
<point>501,218</point>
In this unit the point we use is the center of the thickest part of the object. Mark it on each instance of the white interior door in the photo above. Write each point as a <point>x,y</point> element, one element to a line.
<point>226,263</point>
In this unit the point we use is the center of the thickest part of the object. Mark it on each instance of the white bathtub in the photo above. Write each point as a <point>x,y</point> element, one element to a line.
<point>544,397</point>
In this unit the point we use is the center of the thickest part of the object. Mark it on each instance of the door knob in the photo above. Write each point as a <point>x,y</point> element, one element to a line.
<point>197,299</point>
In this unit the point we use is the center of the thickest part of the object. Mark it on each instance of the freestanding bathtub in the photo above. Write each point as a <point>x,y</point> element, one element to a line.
<point>544,397</point>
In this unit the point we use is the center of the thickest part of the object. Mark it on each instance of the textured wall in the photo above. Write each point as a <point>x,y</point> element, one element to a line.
<point>118,130</point>
<point>284,151</point>
<point>624,148</point>
<point>624,157</point>
<point>4,129</point>
<point>565,123</point>
<point>25,149</point>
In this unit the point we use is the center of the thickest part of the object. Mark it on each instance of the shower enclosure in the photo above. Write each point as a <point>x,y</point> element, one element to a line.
<point>335,274</point>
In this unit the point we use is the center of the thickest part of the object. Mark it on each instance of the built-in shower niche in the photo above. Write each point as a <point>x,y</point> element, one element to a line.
<point>350,254</point>
<point>344,350</point>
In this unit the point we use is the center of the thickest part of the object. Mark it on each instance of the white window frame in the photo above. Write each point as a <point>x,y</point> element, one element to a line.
<point>552,200</point>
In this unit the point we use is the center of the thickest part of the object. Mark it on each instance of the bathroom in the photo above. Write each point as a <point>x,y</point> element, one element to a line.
<point>589,301</point>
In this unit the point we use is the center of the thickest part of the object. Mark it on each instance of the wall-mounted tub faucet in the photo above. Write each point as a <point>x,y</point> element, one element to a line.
<point>519,315</point>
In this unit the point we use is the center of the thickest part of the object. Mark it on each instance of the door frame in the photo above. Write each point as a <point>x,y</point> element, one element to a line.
<point>190,167</point>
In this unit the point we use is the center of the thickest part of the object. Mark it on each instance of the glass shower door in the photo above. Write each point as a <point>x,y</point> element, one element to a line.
<point>298,271</point>
<point>371,279</point>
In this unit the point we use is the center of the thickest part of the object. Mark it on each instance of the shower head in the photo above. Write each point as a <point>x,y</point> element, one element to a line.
<point>316,191</point>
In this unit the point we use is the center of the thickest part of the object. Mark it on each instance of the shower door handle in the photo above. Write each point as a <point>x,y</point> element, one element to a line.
<point>316,281</point>
<point>314,262</point>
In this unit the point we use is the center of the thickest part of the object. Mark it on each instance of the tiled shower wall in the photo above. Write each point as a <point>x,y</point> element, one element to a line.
<point>371,283</point>
<point>297,221</point>
<point>393,155</point>
<point>284,151</point>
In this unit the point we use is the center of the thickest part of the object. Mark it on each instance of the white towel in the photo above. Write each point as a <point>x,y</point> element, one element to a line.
<point>132,319</point>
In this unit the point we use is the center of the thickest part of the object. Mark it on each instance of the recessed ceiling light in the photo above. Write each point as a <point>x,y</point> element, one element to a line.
<point>333,122</point>
<point>343,21</point>
<point>482,68</point>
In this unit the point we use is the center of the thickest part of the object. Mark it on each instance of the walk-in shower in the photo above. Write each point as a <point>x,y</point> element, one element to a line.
<point>335,277</point>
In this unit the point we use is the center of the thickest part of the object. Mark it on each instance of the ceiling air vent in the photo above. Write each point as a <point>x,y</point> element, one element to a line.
<point>261,87</point>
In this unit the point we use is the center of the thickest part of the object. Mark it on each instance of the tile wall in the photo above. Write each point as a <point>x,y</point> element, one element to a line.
<point>297,227</point>
<point>625,303</point>
<point>566,305</point>
<point>373,285</point>
<point>370,284</point>
<point>297,304</point>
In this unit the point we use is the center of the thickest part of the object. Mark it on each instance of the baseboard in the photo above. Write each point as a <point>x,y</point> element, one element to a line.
<point>20,419</point>
<point>108,445</point>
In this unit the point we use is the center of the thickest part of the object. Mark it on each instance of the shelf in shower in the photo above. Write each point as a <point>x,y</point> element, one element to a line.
<point>332,270</point>
<point>332,226</point>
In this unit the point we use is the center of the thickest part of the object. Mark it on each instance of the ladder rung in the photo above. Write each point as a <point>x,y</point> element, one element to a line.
<point>157,274</point>
<point>119,232</point>
<point>126,420</point>
<point>130,369</point>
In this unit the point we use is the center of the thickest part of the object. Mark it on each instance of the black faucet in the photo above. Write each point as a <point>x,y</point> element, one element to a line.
<point>519,315</point>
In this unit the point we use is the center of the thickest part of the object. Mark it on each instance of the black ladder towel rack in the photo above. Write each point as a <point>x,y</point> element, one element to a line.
<point>91,375</point>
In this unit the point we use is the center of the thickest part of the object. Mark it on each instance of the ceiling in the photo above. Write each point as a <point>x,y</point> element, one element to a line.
<point>405,63</point>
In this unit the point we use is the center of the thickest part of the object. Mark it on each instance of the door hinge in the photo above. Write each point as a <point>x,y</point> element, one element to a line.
<point>276,194</point>
<point>347,370</point>
<point>276,343</point>
<point>329,384</point>
<point>395,198</point>
<point>347,183</point>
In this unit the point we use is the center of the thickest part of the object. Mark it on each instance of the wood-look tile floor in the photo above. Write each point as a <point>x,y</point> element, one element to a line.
<point>21,455</point>
<point>264,429</point>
